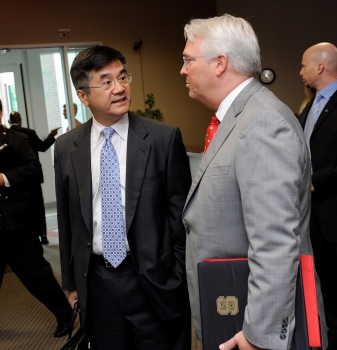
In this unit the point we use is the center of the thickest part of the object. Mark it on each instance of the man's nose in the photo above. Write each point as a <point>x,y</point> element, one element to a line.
<point>183,70</point>
<point>118,87</point>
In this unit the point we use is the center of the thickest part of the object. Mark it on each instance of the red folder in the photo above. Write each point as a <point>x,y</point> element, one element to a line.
<point>310,300</point>
<point>216,329</point>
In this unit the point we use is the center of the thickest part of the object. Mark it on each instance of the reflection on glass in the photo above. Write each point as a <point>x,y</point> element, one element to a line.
<point>7,95</point>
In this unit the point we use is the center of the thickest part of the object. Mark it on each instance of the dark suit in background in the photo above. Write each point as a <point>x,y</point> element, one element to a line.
<point>156,186</point>
<point>37,144</point>
<point>36,190</point>
<point>319,71</point>
<point>19,245</point>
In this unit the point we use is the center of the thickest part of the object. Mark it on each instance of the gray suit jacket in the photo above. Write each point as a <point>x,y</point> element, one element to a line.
<point>251,198</point>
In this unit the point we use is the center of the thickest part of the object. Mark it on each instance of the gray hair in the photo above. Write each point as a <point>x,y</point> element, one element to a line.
<point>229,35</point>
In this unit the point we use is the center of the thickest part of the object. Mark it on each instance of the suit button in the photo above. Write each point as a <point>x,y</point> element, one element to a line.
<point>187,230</point>
<point>284,330</point>
<point>85,275</point>
<point>89,244</point>
<point>283,336</point>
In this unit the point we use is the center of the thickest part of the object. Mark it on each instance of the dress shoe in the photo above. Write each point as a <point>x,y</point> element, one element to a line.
<point>62,330</point>
<point>44,240</point>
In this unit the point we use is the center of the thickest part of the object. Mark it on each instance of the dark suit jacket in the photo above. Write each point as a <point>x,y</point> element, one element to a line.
<point>21,167</point>
<point>37,144</point>
<point>323,148</point>
<point>157,183</point>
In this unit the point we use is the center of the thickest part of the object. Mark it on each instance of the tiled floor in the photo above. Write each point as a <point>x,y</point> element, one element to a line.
<point>25,323</point>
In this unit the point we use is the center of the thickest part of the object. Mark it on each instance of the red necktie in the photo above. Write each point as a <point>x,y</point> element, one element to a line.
<point>211,130</point>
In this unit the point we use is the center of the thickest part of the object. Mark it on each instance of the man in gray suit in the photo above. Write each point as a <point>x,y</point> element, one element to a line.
<point>130,283</point>
<point>251,194</point>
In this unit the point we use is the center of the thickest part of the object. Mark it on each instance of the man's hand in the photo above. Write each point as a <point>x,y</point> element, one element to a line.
<point>54,131</point>
<point>240,341</point>
<point>2,180</point>
<point>72,297</point>
<point>312,188</point>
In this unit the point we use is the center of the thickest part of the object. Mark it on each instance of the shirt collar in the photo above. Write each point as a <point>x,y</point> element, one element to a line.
<point>121,127</point>
<point>329,90</point>
<point>225,104</point>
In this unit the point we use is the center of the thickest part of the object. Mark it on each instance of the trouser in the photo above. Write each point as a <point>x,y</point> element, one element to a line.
<point>325,254</point>
<point>23,252</point>
<point>121,316</point>
<point>39,210</point>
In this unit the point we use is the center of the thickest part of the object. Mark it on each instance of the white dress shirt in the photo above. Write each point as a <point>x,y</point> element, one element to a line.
<point>227,102</point>
<point>119,141</point>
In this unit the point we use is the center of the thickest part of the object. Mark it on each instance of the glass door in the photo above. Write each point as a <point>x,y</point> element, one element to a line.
<point>35,82</point>
<point>12,93</point>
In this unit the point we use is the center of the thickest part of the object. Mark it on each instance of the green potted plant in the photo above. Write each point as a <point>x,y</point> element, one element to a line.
<point>155,114</point>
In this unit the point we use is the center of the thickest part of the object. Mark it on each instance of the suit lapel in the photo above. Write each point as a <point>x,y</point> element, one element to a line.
<point>226,126</point>
<point>81,160</point>
<point>138,152</point>
<point>304,113</point>
<point>328,108</point>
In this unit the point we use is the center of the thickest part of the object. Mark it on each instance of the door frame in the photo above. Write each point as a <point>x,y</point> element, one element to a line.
<point>16,69</point>
<point>64,47</point>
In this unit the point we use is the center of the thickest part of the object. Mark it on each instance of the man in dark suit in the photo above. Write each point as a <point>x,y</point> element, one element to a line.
<point>319,121</point>
<point>19,245</point>
<point>37,144</point>
<point>139,301</point>
<point>36,191</point>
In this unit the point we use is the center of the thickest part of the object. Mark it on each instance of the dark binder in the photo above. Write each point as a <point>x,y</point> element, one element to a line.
<point>222,305</point>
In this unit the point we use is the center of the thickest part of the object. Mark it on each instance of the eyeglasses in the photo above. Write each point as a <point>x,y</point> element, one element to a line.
<point>124,80</point>
<point>188,60</point>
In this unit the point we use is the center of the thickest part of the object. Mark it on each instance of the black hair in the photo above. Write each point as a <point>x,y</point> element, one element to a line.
<point>93,58</point>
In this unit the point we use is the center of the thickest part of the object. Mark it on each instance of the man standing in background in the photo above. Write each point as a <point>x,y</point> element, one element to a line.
<point>77,122</point>
<point>319,121</point>
<point>251,194</point>
<point>19,244</point>
<point>36,190</point>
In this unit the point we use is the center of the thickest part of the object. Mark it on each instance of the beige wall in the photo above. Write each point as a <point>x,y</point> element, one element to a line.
<point>285,30</point>
<point>120,24</point>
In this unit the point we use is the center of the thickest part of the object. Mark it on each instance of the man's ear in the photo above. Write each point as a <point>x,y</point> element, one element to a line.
<point>83,97</point>
<point>221,64</point>
<point>320,68</point>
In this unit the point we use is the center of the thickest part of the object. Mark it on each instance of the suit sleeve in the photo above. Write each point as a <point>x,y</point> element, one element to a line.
<point>324,153</point>
<point>30,169</point>
<point>325,180</point>
<point>178,185</point>
<point>270,163</point>
<point>68,279</point>
<point>40,145</point>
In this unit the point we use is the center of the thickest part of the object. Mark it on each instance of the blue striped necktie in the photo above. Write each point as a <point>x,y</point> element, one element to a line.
<point>114,249</point>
